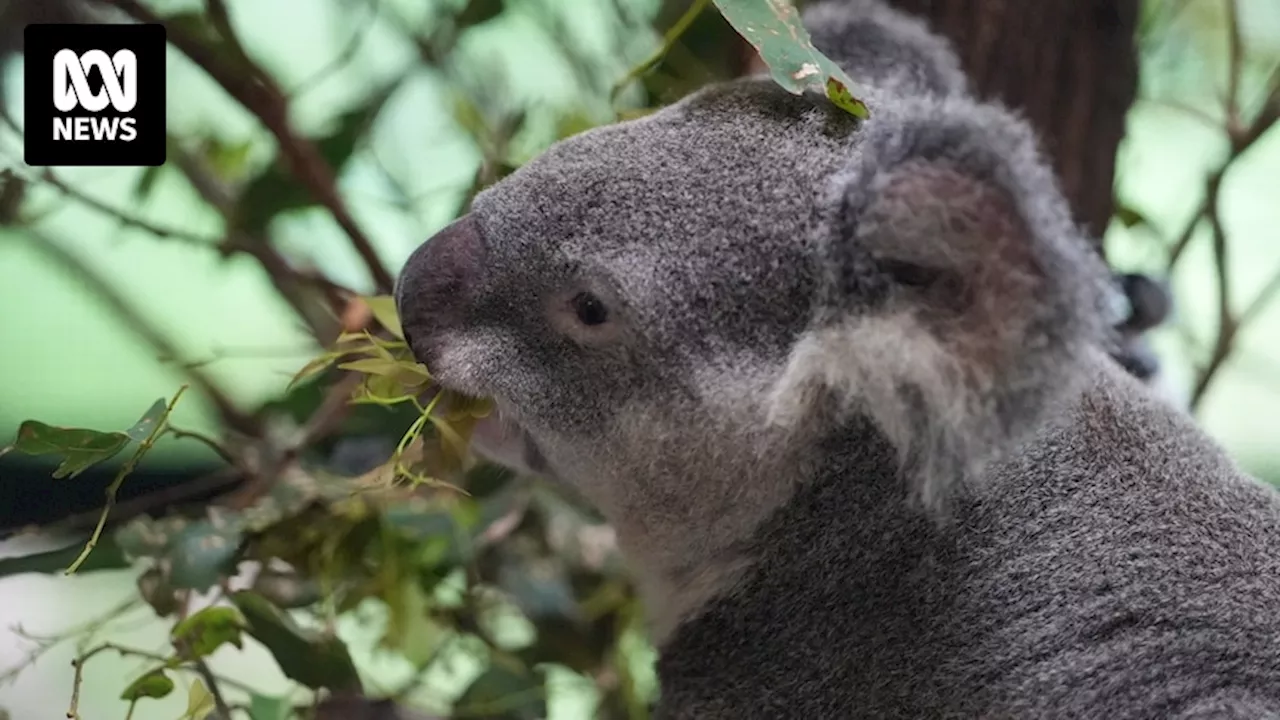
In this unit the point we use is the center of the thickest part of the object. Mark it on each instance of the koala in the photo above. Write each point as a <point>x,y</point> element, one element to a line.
<point>848,393</point>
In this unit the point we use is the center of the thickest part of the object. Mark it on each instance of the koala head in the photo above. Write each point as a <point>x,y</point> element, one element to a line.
<point>672,313</point>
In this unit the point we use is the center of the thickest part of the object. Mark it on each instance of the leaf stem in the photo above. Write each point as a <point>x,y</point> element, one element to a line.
<point>668,41</point>
<point>205,440</point>
<point>114,488</point>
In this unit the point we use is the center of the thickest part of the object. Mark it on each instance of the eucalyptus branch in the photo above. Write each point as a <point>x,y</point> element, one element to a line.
<point>114,488</point>
<point>212,484</point>
<point>46,643</point>
<point>288,281</point>
<point>1242,137</point>
<point>211,682</point>
<point>668,41</point>
<point>205,440</point>
<point>79,662</point>
<point>247,83</point>
<point>123,217</point>
<point>344,55</point>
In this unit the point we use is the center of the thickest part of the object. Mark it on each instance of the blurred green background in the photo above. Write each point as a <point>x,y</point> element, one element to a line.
<point>67,360</point>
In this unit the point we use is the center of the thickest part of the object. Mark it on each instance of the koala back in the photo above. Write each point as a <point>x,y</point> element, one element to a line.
<point>1118,566</point>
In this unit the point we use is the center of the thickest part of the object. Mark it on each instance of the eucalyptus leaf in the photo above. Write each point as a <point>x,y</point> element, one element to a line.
<point>155,684</point>
<point>80,448</point>
<point>505,690</point>
<point>384,311</point>
<point>202,633</point>
<point>312,658</point>
<point>774,28</point>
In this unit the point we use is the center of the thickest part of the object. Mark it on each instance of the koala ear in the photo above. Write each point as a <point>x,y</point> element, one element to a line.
<point>957,299</point>
<point>882,47</point>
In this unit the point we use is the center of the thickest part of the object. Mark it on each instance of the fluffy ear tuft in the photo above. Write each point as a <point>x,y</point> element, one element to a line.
<point>884,48</point>
<point>959,302</point>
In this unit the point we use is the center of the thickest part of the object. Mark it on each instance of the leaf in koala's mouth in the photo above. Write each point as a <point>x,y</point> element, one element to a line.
<point>373,350</point>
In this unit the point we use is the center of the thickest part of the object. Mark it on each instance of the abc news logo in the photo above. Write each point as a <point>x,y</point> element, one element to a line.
<point>94,95</point>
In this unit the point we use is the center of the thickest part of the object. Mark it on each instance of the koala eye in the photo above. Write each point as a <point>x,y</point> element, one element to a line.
<point>589,309</point>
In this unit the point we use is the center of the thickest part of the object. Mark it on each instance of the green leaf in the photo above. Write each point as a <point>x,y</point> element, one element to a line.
<point>1130,216</point>
<point>146,183</point>
<point>505,690</point>
<point>774,28</point>
<point>273,192</point>
<point>80,448</point>
<point>314,659</point>
<point>195,24</point>
<point>408,375</point>
<point>384,311</point>
<point>204,632</point>
<point>106,556</point>
<point>200,703</point>
<point>410,630</point>
<point>155,684</point>
<point>478,11</point>
<point>202,554</point>
<point>226,161</point>
<point>147,424</point>
<point>312,368</point>
<point>262,707</point>
<point>573,122</point>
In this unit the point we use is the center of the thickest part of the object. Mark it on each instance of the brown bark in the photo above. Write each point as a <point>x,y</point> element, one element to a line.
<point>1070,66</point>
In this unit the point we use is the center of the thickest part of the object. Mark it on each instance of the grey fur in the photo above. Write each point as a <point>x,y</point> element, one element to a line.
<point>851,412</point>
<point>884,48</point>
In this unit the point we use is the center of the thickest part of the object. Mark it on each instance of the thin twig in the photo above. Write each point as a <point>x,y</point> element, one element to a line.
<point>211,683</point>
<point>123,217</point>
<point>45,643</point>
<point>343,57</point>
<point>114,488</point>
<point>164,660</point>
<point>334,408</point>
<point>1235,63</point>
<point>1188,233</point>
<point>249,85</point>
<point>1260,301</point>
<point>1241,138</point>
<point>1227,325</point>
<point>165,497</point>
<point>205,440</point>
<point>668,41</point>
<point>287,280</point>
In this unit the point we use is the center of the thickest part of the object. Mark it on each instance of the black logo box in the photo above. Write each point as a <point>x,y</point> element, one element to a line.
<point>42,42</point>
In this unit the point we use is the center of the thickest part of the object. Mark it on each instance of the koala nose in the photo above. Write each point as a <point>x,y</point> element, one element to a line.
<point>438,282</point>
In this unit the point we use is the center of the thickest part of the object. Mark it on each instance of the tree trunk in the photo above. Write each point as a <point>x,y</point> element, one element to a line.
<point>1070,66</point>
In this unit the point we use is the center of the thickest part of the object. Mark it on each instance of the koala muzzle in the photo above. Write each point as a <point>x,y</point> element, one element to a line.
<point>438,283</point>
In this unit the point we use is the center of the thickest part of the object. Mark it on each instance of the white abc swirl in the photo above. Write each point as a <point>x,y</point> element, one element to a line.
<point>67,65</point>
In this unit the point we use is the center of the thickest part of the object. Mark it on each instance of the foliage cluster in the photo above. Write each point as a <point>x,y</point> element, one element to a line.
<point>460,557</point>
